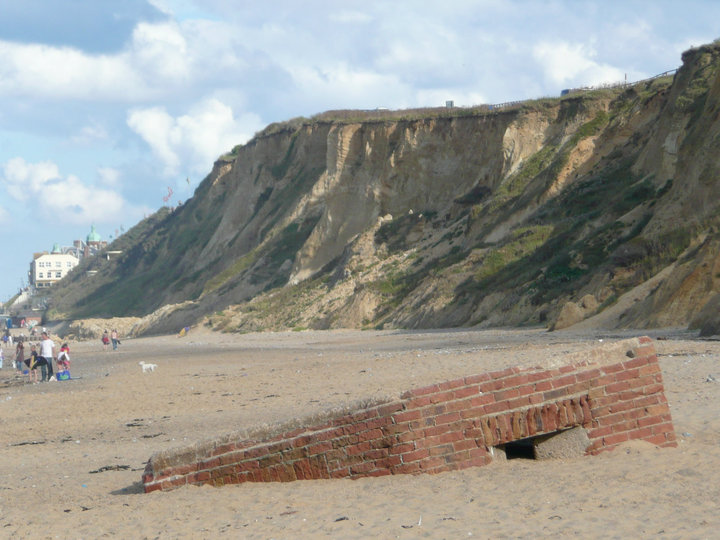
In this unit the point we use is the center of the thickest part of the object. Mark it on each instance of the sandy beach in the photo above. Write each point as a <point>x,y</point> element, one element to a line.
<point>73,452</point>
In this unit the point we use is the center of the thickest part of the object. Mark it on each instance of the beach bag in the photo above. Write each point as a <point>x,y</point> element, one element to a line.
<point>63,375</point>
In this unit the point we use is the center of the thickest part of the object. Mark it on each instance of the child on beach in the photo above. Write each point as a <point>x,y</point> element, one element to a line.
<point>63,359</point>
<point>32,363</point>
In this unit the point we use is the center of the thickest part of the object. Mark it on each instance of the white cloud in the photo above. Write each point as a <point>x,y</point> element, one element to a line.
<point>193,141</point>
<point>160,51</point>
<point>155,62</point>
<point>25,180</point>
<point>63,73</point>
<point>57,199</point>
<point>572,64</point>
<point>108,176</point>
<point>90,134</point>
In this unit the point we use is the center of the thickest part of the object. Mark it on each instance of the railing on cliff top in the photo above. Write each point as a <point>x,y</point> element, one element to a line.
<point>385,114</point>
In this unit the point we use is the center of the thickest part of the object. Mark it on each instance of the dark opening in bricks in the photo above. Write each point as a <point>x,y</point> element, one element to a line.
<point>563,444</point>
<point>576,404</point>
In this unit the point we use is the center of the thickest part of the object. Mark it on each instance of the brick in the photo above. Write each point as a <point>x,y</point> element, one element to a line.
<point>440,450</point>
<point>488,434</point>
<point>386,410</point>
<point>656,439</point>
<point>501,374</point>
<point>447,418</point>
<point>662,428</point>
<point>433,411</point>
<point>535,399</point>
<point>649,420</point>
<point>649,369</point>
<point>617,387</point>
<point>564,381</point>
<point>483,399</point>
<point>588,375</point>
<point>615,438</point>
<point>223,449</point>
<point>418,402</point>
<point>319,448</point>
<point>431,389</point>
<point>406,416</point>
<point>653,389</point>
<point>389,462</point>
<point>357,449</point>
<point>518,380</point>
<point>611,368</point>
<point>641,433</point>
<point>503,395</point>
<point>519,402</point>
<point>627,425</point>
<point>451,385</point>
<point>477,379</point>
<point>407,468</point>
<point>627,374</point>
<point>341,473</point>
<point>495,407</point>
<point>465,392</point>
<point>539,375</point>
<point>402,448</point>
<point>361,468</point>
<point>434,431</point>
<point>441,397</point>
<point>464,444</point>
<point>543,386</point>
<point>554,394</point>
<point>375,454</point>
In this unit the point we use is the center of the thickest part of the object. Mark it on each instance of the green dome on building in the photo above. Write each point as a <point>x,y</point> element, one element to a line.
<point>56,248</point>
<point>93,236</point>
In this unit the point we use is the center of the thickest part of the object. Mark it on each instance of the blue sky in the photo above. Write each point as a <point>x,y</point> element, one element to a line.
<point>106,104</point>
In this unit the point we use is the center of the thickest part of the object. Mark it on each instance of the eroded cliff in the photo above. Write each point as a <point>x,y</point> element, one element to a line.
<point>442,217</point>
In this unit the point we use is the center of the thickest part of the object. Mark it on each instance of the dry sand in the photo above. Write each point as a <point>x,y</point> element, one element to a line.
<point>73,452</point>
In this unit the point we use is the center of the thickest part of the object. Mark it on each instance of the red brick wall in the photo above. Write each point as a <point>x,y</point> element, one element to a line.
<point>445,426</point>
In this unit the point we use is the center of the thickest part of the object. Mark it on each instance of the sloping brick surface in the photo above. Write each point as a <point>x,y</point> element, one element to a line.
<point>616,394</point>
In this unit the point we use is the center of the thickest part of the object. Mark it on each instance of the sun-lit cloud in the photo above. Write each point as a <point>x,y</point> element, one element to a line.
<point>572,64</point>
<point>193,141</point>
<point>60,199</point>
<point>155,61</point>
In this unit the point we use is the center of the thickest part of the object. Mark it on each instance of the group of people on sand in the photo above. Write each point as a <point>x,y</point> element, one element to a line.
<point>41,356</point>
<point>113,337</point>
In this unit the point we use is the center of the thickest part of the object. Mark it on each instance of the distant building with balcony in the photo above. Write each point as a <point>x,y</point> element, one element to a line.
<point>49,268</point>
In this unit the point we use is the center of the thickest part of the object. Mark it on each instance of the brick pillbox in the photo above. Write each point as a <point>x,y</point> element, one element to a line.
<point>610,394</point>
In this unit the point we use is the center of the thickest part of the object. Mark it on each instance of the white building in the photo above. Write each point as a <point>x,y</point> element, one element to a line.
<point>48,268</point>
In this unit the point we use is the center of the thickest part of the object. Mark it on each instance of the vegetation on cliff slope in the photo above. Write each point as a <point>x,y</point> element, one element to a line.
<point>438,217</point>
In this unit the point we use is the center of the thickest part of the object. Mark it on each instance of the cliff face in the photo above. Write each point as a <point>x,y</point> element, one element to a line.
<point>441,218</point>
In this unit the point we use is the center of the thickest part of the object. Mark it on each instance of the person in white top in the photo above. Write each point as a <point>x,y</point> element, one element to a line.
<point>47,351</point>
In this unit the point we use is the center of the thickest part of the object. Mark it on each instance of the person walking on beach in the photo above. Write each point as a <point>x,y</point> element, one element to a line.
<point>105,340</point>
<point>19,355</point>
<point>115,339</point>
<point>47,351</point>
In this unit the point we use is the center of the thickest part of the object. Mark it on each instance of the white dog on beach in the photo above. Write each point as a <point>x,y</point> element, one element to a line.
<point>147,367</point>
